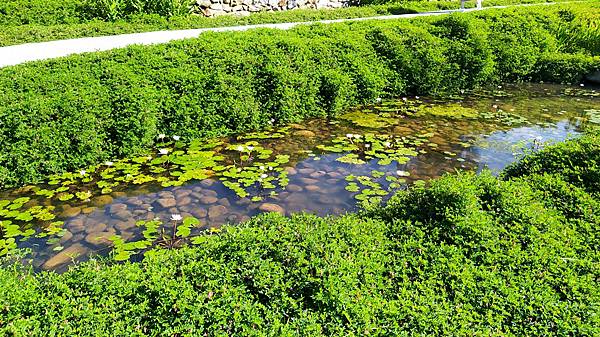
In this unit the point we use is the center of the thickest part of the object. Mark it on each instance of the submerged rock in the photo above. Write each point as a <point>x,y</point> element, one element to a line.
<point>272,208</point>
<point>166,202</point>
<point>102,200</point>
<point>216,211</point>
<point>100,238</point>
<point>294,188</point>
<point>304,133</point>
<point>65,256</point>
<point>207,200</point>
<point>70,212</point>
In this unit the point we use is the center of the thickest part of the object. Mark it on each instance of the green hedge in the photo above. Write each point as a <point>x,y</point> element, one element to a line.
<point>24,21</point>
<point>467,256</point>
<point>67,113</point>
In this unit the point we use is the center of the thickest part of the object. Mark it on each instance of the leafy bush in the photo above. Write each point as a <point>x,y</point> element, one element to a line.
<point>67,113</point>
<point>578,161</point>
<point>467,255</point>
<point>113,10</point>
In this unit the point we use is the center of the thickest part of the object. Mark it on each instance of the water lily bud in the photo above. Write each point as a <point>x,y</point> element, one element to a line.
<point>176,217</point>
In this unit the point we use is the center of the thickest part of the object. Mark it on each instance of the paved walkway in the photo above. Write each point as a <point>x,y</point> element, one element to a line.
<point>13,55</point>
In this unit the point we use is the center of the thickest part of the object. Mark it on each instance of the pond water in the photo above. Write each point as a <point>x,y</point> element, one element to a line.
<point>321,166</point>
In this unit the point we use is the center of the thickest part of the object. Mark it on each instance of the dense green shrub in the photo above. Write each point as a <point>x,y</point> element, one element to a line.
<point>578,161</point>
<point>467,255</point>
<point>67,113</point>
<point>112,10</point>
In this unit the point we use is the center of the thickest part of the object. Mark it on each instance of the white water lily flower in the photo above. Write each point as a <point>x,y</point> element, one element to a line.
<point>349,135</point>
<point>163,151</point>
<point>499,87</point>
<point>356,136</point>
<point>109,163</point>
<point>250,148</point>
<point>176,217</point>
<point>495,106</point>
<point>262,168</point>
<point>82,172</point>
<point>402,173</point>
<point>176,137</point>
<point>387,144</point>
<point>404,99</point>
<point>462,91</point>
<point>162,136</point>
<point>378,100</point>
<point>582,85</point>
<point>263,176</point>
<point>367,145</point>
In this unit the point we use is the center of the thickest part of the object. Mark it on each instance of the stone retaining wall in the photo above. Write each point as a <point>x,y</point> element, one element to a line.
<point>245,7</point>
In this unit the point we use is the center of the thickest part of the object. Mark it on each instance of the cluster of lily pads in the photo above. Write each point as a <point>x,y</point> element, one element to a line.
<point>15,223</point>
<point>175,233</point>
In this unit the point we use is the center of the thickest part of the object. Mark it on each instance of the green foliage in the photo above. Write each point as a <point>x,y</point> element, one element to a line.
<point>112,10</point>
<point>467,255</point>
<point>577,161</point>
<point>69,113</point>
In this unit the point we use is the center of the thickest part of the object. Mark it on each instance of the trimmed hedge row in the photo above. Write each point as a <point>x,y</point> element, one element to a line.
<point>468,255</point>
<point>67,113</point>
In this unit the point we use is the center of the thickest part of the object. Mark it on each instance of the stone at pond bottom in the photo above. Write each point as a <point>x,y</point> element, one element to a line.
<point>102,200</point>
<point>64,256</point>
<point>184,201</point>
<point>272,208</point>
<point>312,188</point>
<point>304,133</point>
<point>87,210</point>
<point>308,181</point>
<point>216,211</point>
<point>207,182</point>
<point>199,213</point>
<point>95,228</point>
<point>123,215</point>
<point>66,237</point>
<point>166,202</point>
<point>70,212</point>
<point>294,188</point>
<point>291,171</point>
<point>100,238</point>
<point>116,208</point>
<point>306,170</point>
<point>224,202</point>
<point>207,200</point>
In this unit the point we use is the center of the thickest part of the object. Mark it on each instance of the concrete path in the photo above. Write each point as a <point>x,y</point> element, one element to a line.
<point>18,54</point>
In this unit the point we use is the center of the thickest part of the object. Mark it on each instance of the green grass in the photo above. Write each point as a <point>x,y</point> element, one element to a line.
<point>467,255</point>
<point>67,113</point>
<point>26,21</point>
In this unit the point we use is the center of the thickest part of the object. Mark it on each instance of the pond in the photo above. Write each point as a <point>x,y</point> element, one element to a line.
<point>166,198</point>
